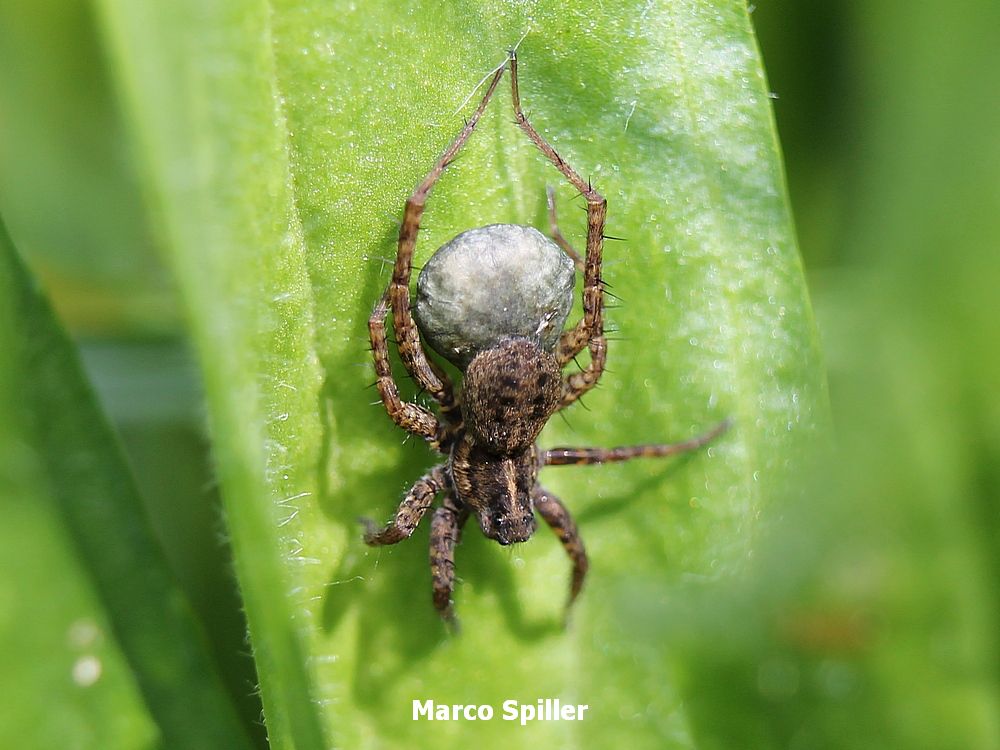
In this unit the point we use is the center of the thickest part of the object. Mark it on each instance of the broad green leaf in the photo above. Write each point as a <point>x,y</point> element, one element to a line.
<point>280,142</point>
<point>92,625</point>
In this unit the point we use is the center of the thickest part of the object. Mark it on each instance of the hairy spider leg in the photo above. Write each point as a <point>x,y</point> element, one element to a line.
<point>446,531</point>
<point>558,517</point>
<point>428,375</point>
<point>589,331</point>
<point>579,456</point>
<point>550,197</point>
<point>409,512</point>
<point>555,514</point>
<point>411,417</point>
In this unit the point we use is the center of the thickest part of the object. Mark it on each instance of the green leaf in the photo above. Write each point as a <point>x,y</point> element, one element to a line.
<point>280,143</point>
<point>93,626</point>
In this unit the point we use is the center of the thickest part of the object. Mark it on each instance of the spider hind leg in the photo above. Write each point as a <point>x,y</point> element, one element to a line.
<point>589,331</point>
<point>427,374</point>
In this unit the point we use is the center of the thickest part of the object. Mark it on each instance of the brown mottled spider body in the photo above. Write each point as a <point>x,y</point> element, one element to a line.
<point>509,391</point>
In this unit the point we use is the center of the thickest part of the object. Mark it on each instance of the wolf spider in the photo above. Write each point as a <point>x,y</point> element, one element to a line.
<point>509,392</point>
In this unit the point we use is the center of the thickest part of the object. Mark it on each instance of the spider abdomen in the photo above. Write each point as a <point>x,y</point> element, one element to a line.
<point>508,394</point>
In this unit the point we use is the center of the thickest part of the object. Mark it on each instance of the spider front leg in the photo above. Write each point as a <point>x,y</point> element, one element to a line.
<point>410,511</point>
<point>555,514</point>
<point>446,530</point>
<point>428,375</point>
<point>589,332</point>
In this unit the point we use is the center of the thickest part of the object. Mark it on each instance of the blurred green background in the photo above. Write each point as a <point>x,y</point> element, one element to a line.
<point>889,119</point>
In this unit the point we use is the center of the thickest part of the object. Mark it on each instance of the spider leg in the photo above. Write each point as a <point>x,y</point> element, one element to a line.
<point>409,512</point>
<point>410,417</point>
<point>446,531</point>
<point>577,456</point>
<point>550,197</point>
<point>589,331</point>
<point>428,375</point>
<point>551,509</point>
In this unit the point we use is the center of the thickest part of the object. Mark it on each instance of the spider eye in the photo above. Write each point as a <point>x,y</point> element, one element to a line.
<point>511,528</point>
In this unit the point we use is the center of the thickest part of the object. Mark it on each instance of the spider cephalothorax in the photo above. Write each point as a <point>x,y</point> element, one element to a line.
<point>506,335</point>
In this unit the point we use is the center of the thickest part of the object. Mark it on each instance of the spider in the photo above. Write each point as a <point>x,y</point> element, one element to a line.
<point>509,391</point>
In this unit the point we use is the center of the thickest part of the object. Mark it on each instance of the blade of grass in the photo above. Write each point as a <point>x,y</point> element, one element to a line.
<point>117,582</point>
<point>199,86</point>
